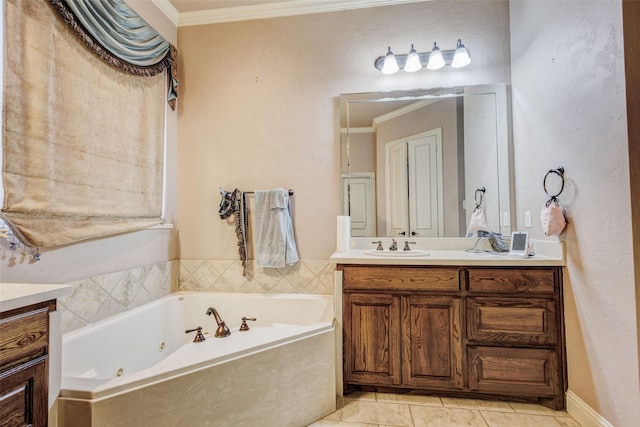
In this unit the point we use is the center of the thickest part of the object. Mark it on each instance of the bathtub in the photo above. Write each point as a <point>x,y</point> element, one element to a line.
<point>141,368</point>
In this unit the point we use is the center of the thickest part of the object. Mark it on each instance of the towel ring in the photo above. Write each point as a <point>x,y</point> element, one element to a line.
<point>480,190</point>
<point>560,173</point>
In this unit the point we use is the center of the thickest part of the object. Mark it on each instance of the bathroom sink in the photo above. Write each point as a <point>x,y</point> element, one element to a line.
<point>399,254</point>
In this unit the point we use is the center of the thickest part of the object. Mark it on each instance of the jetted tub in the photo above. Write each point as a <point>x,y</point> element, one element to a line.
<point>141,368</point>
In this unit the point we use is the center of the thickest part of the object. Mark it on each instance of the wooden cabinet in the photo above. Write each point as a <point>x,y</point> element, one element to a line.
<point>432,342</point>
<point>373,335</point>
<point>466,331</point>
<point>24,339</point>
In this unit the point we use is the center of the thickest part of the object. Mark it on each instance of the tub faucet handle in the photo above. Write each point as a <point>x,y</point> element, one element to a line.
<point>199,337</point>
<point>244,326</point>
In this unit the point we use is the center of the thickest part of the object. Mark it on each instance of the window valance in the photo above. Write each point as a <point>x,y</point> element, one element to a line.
<point>122,38</point>
<point>82,141</point>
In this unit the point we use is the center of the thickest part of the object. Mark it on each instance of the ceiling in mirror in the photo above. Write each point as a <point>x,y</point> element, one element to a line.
<point>412,161</point>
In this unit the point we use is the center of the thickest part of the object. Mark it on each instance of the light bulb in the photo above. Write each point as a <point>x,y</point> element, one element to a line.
<point>390,64</point>
<point>461,57</point>
<point>413,61</point>
<point>436,60</point>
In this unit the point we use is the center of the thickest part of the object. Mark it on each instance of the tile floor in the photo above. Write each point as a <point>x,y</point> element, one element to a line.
<point>396,410</point>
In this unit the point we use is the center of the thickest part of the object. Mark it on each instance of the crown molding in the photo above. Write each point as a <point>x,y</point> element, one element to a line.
<point>270,10</point>
<point>168,10</point>
<point>346,131</point>
<point>402,111</point>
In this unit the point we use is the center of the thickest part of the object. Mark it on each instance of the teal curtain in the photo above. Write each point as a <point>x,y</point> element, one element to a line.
<point>121,37</point>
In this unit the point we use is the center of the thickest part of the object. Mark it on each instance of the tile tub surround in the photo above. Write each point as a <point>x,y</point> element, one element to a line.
<point>378,409</point>
<point>308,276</point>
<point>99,297</point>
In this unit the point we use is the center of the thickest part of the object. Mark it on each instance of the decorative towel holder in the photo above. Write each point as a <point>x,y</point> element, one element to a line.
<point>552,215</point>
<point>560,172</point>
<point>480,191</point>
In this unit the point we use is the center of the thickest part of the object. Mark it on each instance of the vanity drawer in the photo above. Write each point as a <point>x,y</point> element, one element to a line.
<point>514,371</point>
<point>23,334</point>
<point>512,280</point>
<point>401,278</point>
<point>512,320</point>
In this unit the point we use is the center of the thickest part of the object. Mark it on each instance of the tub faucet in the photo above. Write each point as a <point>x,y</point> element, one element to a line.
<point>223,330</point>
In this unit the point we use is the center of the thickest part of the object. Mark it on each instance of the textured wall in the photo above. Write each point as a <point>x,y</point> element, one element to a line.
<point>569,110</point>
<point>260,109</point>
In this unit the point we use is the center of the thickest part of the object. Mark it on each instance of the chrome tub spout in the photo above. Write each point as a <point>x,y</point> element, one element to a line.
<point>223,330</point>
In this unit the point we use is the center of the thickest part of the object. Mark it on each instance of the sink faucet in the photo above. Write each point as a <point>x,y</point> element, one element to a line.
<point>406,245</point>
<point>223,330</point>
<point>394,245</point>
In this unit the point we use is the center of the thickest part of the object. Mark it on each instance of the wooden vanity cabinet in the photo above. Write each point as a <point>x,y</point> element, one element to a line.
<point>24,342</point>
<point>485,331</point>
<point>401,328</point>
<point>515,333</point>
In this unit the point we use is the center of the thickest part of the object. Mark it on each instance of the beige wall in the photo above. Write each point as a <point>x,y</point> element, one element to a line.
<point>569,110</point>
<point>362,153</point>
<point>124,252</point>
<point>260,109</point>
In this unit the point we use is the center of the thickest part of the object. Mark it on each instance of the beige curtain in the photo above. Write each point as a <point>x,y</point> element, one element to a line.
<point>82,142</point>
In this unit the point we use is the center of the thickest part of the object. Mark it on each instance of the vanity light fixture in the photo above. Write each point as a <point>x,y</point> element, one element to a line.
<point>461,57</point>
<point>436,60</point>
<point>389,63</point>
<point>414,61</point>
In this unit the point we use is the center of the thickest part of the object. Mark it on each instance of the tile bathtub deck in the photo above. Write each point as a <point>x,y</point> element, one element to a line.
<point>394,410</point>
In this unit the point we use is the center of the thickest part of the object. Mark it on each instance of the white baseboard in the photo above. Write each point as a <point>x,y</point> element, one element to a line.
<point>584,414</point>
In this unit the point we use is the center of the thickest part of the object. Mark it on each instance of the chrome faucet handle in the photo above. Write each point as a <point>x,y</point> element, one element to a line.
<point>406,245</point>
<point>244,326</point>
<point>379,243</point>
<point>199,337</point>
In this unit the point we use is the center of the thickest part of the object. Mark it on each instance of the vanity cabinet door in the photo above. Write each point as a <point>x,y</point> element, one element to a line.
<point>432,342</point>
<point>23,394</point>
<point>372,339</point>
<point>24,341</point>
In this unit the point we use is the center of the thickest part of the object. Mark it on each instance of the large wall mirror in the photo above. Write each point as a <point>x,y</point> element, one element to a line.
<point>417,163</point>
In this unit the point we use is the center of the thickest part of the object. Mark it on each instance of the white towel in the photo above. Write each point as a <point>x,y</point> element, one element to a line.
<point>275,245</point>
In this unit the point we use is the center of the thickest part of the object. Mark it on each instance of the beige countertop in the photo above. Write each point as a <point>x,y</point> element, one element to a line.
<point>446,252</point>
<point>15,295</point>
